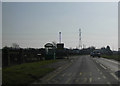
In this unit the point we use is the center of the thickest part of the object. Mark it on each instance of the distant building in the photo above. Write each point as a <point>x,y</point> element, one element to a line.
<point>60,45</point>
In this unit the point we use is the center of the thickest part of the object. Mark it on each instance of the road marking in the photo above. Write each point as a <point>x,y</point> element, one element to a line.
<point>51,77</point>
<point>90,79</point>
<point>80,73</point>
<point>85,79</point>
<point>77,80</point>
<point>63,74</point>
<point>108,83</point>
<point>68,80</point>
<point>99,78</point>
<point>103,66</point>
<point>111,69</point>
<point>60,68</point>
<point>54,80</point>
<point>104,77</point>
<point>112,61</point>
<point>69,74</point>
<point>101,73</point>
<point>98,69</point>
<point>114,76</point>
<point>97,61</point>
<point>57,72</point>
<point>90,74</point>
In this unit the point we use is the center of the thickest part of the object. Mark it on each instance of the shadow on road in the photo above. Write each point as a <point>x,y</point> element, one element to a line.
<point>117,73</point>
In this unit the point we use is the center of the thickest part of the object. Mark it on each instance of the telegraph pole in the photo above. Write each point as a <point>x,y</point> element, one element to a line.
<point>80,42</point>
<point>59,37</point>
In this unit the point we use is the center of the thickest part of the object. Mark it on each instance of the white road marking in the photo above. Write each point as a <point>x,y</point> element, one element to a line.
<point>57,72</point>
<point>69,74</point>
<point>54,80</point>
<point>60,68</point>
<point>109,64</point>
<point>85,79</point>
<point>112,61</point>
<point>51,77</point>
<point>114,76</point>
<point>104,77</point>
<point>77,80</point>
<point>68,80</point>
<point>97,61</point>
<point>98,78</point>
<point>90,79</point>
<point>80,73</point>
<point>63,74</point>
<point>101,73</point>
<point>108,83</point>
<point>111,69</point>
<point>90,74</point>
<point>103,66</point>
<point>98,69</point>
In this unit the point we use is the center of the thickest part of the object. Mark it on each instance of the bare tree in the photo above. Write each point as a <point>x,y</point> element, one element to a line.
<point>15,45</point>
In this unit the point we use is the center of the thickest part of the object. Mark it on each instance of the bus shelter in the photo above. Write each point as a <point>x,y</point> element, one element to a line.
<point>50,51</point>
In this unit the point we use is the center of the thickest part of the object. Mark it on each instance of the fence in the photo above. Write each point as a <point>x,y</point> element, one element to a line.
<point>19,56</point>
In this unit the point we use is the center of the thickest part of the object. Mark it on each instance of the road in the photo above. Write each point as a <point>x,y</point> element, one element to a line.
<point>0,58</point>
<point>0,67</point>
<point>0,77</point>
<point>83,70</point>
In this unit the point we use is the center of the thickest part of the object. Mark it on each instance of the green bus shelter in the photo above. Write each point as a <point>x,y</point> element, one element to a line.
<point>50,51</point>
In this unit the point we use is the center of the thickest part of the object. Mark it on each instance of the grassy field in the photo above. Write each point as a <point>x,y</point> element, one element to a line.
<point>26,73</point>
<point>115,57</point>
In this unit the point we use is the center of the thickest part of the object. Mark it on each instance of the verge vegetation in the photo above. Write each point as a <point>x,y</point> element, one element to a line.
<point>115,57</point>
<point>26,73</point>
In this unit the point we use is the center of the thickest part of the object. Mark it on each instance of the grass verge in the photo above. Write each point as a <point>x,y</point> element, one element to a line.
<point>115,57</point>
<point>25,73</point>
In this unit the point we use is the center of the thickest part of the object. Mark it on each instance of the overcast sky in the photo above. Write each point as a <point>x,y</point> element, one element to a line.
<point>34,24</point>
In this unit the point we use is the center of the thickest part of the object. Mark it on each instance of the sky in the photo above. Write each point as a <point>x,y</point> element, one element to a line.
<point>119,26</point>
<point>0,25</point>
<point>33,24</point>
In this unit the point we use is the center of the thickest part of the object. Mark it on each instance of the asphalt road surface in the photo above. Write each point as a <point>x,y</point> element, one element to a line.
<point>0,76</point>
<point>0,67</point>
<point>84,70</point>
<point>0,58</point>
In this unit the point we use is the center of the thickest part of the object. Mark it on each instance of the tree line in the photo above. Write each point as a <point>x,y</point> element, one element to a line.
<point>15,55</point>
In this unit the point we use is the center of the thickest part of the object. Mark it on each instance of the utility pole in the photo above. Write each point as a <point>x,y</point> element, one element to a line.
<point>80,42</point>
<point>59,37</point>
